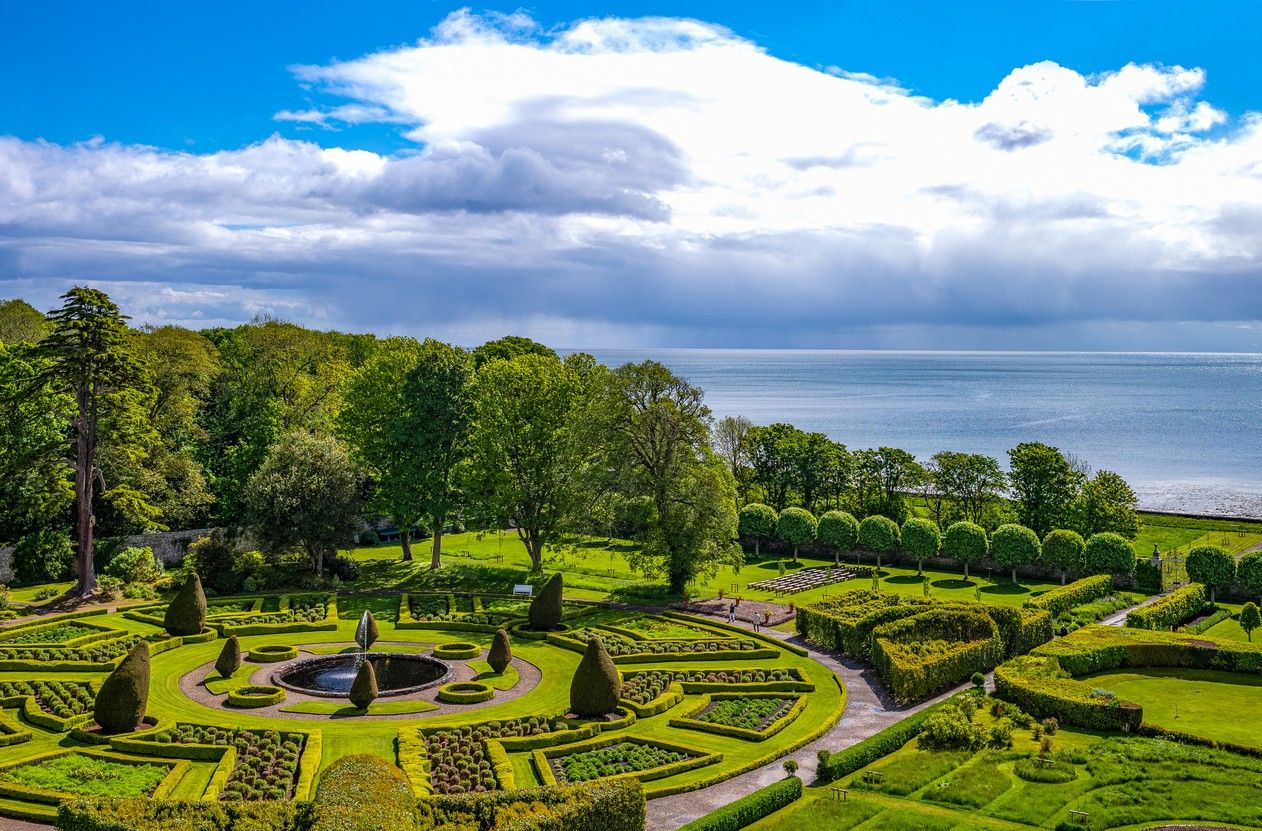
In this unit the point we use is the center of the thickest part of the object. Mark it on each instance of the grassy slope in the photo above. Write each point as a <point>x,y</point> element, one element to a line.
<point>1217,705</point>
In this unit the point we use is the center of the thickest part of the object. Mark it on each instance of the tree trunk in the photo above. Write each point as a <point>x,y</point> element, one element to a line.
<point>837,557</point>
<point>756,552</point>
<point>1062,576</point>
<point>920,568</point>
<point>405,539</point>
<point>1014,574</point>
<point>965,572</point>
<point>795,553</point>
<point>84,518</point>
<point>436,555</point>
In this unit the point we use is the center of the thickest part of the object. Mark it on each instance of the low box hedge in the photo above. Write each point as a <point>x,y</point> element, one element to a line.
<point>834,766</point>
<point>1169,611</point>
<point>750,808</point>
<point>730,629</point>
<point>603,805</point>
<point>465,692</point>
<point>698,758</point>
<point>253,696</point>
<point>671,696</point>
<point>457,651</point>
<point>148,815</point>
<point>689,720</point>
<point>309,764</point>
<point>1061,599</point>
<point>219,777</point>
<point>272,653</point>
<point>11,733</point>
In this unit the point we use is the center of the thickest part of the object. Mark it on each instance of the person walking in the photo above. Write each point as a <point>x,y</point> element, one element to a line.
<point>731,613</point>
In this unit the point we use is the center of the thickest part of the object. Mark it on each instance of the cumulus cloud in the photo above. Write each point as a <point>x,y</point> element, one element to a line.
<point>663,180</point>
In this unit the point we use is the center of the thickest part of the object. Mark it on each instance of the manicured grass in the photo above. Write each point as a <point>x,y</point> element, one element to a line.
<point>1217,705</point>
<point>340,709</point>
<point>79,773</point>
<point>500,681</point>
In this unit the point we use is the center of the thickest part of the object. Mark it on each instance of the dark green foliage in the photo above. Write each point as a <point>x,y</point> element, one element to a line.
<point>43,556</point>
<point>229,657</point>
<point>121,701</point>
<point>1064,551</point>
<point>546,609</point>
<point>501,652</point>
<point>1167,612</point>
<point>1249,572</point>
<point>187,613</point>
<point>965,542</point>
<point>756,522</point>
<point>364,793</point>
<point>164,815</point>
<point>1250,619</point>
<point>366,631</point>
<point>750,808</point>
<point>878,534</point>
<point>843,763</point>
<point>1013,546</point>
<point>1109,553</point>
<point>921,539</point>
<point>1078,593</point>
<point>364,688</point>
<point>1212,566</point>
<point>596,686</point>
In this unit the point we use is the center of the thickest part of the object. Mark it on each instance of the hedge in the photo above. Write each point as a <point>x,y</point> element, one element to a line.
<point>32,712</point>
<point>11,734</point>
<point>913,676</point>
<point>364,793</point>
<point>726,628</point>
<point>1203,625</point>
<point>309,764</point>
<point>697,758</point>
<point>750,808</point>
<point>465,692</point>
<point>1040,687</point>
<point>834,766</point>
<point>272,653</point>
<point>605,805</point>
<point>148,815</point>
<point>256,696</point>
<point>690,721</point>
<point>672,695</point>
<point>1169,611</point>
<point>457,651</point>
<point>26,793</point>
<point>219,777</point>
<point>1078,593</point>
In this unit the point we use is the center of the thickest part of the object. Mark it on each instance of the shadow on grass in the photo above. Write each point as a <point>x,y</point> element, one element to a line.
<point>1005,588</point>
<point>953,583</point>
<point>905,579</point>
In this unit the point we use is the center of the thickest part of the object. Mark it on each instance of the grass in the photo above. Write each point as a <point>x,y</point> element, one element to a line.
<point>81,774</point>
<point>1218,705</point>
<point>339,709</point>
<point>500,681</point>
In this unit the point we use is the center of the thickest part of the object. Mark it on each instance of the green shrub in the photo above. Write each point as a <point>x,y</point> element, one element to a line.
<point>878,534</point>
<point>364,687</point>
<point>838,531</point>
<point>750,808</point>
<point>135,565</point>
<point>501,652</point>
<point>229,660</point>
<point>1078,593</point>
<point>546,610</point>
<point>366,631</point>
<point>1014,546</point>
<point>249,697</point>
<point>124,695</point>
<point>921,539</point>
<point>364,793</point>
<point>966,543</point>
<point>797,527</point>
<point>466,692</point>
<point>1212,566</point>
<point>596,686</point>
<point>144,814</point>
<point>1064,550</point>
<point>951,727</point>
<point>1249,573</point>
<point>834,766</point>
<point>1169,611</point>
<point>607,805</point>
<point>43,556</point>
<point>187,613</point>
<point>1109,553</point>
<point>938,648</point>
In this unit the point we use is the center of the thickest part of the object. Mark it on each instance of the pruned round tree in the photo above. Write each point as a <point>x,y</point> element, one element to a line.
<point>757,522</point>
<point>229,660</point>
<point>1063,550</point>
<point>1249,572</point>
<point>546,609</point>
<point>1109,553</point>
<point>364,687</point>
<point>501,652</point>
<point>838,532</point>
<point>921,539</point>
<point>596,686</point>
<point>797,527</point>
<point>966,543</point>
<point>1212,566</point>
<point>124,695</point>
<point>187,613</point>
<point>879,534</point>
<point>1014,546</point>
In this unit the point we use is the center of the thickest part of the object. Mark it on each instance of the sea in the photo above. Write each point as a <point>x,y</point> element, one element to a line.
<point>1184,429</point>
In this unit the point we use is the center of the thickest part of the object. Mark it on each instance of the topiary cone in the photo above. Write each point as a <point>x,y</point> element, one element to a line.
<point>501,652</point>
<point>187,613</point>
<point>545,609</point>
<point>366,633</point>
<point>597,686</point>
<point>121,701</point>
<point>229,657</point>
<point>364,689</point>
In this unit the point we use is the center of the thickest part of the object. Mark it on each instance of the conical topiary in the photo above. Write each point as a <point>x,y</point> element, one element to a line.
<point>364,689</point>
<point>187,613</point>
<point>596,686</point>
<point>545,609</point>
<point>366,633</point>
<point>501,652</point>
<point>229,657</point>
<point>121,701</point>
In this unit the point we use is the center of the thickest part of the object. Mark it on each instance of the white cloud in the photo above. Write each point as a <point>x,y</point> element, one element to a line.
<point>665,179</point>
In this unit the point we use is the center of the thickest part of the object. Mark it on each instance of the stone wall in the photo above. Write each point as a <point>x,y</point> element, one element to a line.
<point>168,546</point>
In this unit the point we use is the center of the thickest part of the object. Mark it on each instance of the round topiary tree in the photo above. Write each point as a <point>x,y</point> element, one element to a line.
<point>797,526</point>
<point>1212,566</point>
<point>878,534</point>
<point>1063,550</point>
<point>965,542</point>
<point>1250,619</point>
<point>364,687</point>
<point>756,522</point>
<point>1249,572</point>
<point>546,609</point>
<point>1109,553</point>
<point>229,660</point>
<point>838,531</point>
<point>921,539</point>
<point>187,613</point>
<point>124,695</point>
<point>501,652</point>
<point>596,686</point>
<point>1013,546</point>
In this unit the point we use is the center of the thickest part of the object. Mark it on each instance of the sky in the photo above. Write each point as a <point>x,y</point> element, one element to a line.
<point>1030,175</point>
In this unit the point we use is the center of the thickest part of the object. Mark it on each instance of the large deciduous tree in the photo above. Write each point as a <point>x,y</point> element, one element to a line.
<point>20,322</point>
<point>732,435</point>
<point>969,482</point>
<point>1044,484</point>
<point>1106,503</point>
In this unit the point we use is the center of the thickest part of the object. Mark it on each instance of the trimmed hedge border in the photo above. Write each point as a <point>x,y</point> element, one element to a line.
<point>271,653</point>
<point>77,733</point>
<point>1168,612</point>
<point>700,758</point>
<point>1061,599</point>
<point>750,808</point>
<point>175,772</point>
<point>11,734</point>
<point>253,696</point>
<point>309,764</point>
<point>466,692</point>
<point>691,722</point>
<point>457,651</point>
<point>834,766</point>
<point>725,628</point>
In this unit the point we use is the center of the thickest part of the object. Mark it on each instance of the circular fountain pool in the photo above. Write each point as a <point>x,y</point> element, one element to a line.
<point>333,675</point>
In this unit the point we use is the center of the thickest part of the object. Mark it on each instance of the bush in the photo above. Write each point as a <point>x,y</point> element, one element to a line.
<point>877,746</point>
<point>143,814</point>
<point>838,531</point>
<point>1078,593</point>
<point>756,522</point>
<point>364,687</point>
<point>124,695</point>
<point>604,805</point>
<point>229,660</point>
<point>1212,566</point>
<point>546,609</point>
<point>135,565</point>
<point>187,613</point>
<point>966,543</point>
<point>952,727</point>
<point>1014,546</point>
<point>343,568</point>
<point>1040,687</point>
<point>364,793</point>
<point>1169,611</point>
<point>263,695</point>
<point>501,652</point>
<point>878,534</point>
<point>1063,550</point>
<point>797,527</point>
<point>43,556</point>
<point>1109,553</point>
<point>921,539</point>
<point>750,808</point>
<point>1249,573</point>
<point>215,559</point>
<point>466,692</point>
<point>938,648</point>
<point>596,686</point>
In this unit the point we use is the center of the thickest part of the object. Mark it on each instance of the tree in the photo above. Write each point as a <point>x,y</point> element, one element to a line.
<point>229,660</point>
<point>797,526</point>
<point>509,347</point>
<point>44,555</point>
<point>732,436</point>
<point>547,609</point>
<point>1249,572</point>
<point>305,496</point>
<point>364,687</point>
<point>88,354</point>
<point>1212,566</point>
<point>838,532</point>
<point>379,424</point>
<point>596,685</point>
<point>921,539</point>
<point>757,522</point>
<point>1044,485</point>
<point>815,464</point>
<point>970,482</point>
<point>1013,546</point>
<point>1106,503</point>
<point>526,456</point>
<point>965,542</point>
<point>440,388</point>
<point>186,614</point>
<point>878,534</point>
<point>20,322</point>
<point>1250,619</point>
<point>1109,553</point>
<point>500,654</point>
<point>1063,550</point>
<point>124,695</point>
<point>773,452</point>
<point>881,478</point>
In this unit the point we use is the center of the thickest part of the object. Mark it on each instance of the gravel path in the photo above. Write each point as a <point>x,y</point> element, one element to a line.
<point>1119,618</point>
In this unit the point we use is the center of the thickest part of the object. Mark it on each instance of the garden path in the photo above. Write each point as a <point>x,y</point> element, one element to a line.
<point>1119,618</point>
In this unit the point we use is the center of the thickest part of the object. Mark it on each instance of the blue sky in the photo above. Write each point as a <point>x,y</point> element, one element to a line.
<point>1061,209</point>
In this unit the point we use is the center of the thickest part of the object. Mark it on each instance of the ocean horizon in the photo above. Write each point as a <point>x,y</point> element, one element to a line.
<point>1182,427</point>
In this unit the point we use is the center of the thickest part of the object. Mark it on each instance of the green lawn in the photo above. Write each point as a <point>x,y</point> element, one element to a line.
<point>1218,705</point>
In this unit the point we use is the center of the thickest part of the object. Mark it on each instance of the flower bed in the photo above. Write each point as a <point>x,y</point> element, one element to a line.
<point>465,692</point>
<point>644,686</point>
<point>458,651</point>
<point>97,652</point>
<point>52,634</point>
<point>63,699</point>
<point>272,653</point>
<point>610,757</point>
<point>458,757</point>
<point>622,646</point>
<point>750,716</point>
<point>266,761</point>
<point>263,695</point>
<point>49,778</point>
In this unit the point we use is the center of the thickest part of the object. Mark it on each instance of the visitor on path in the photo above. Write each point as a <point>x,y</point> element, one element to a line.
<point>731,613</point>
<point>757,620</point>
